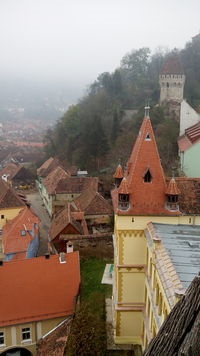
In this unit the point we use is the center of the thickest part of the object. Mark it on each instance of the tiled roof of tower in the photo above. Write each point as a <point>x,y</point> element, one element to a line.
<point>145,177</point>
<point>38,289</point>
<point>172,188</point>
<point>172,65</point>
<point>52,180</point>
<point>13,240</point>
<point>123,188</point>
<point>8,197</point>
<point>119,172</point>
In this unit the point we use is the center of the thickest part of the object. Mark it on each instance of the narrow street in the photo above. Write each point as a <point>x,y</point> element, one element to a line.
<point>38,208</point>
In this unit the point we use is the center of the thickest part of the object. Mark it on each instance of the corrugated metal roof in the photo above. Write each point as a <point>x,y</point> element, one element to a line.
<point>183,246</point>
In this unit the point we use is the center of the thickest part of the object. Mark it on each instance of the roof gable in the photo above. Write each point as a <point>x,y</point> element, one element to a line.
<point>8,197</point>
<point>18,232</point>
<point>52,180</point>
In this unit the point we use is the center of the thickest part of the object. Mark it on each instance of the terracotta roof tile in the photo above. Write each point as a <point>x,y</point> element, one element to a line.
<point>184,143</point>
<point>172,188</point>
<point>11,170</point>
<point>13,240</point>
<point>123,188</point>
<point>8,197</point>
<point>52,180</point>
<point>51,289</point>
<point>60,222</point>
<point>119,172</point>
<point>145,177</point>
<point>48,166</point>
<point>189,199</point>
<point>91,202</point>
<point>73,185</point>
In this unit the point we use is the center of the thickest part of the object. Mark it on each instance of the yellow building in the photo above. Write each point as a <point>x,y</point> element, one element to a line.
<point>140,295</point>
<point>10,203</point>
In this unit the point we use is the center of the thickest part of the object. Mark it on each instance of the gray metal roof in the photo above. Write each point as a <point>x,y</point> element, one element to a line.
<point>183,245</point>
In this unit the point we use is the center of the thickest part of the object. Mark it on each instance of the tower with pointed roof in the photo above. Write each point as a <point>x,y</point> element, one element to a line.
<point>172,80</point>
<point>144,196</point>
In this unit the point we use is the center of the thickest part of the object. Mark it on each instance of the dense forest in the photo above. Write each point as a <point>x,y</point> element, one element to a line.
<point>101,129</point>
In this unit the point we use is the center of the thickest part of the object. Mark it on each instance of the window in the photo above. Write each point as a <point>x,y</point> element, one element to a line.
<point>2,341</point>
<point>23,233</point>
<point>147,138</point>
<point>26,333</point>
<point>147,177</point>
<point>2,216</point>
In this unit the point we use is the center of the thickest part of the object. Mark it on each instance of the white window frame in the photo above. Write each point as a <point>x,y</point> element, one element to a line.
<point>26,331</point>
<point>2,337</point>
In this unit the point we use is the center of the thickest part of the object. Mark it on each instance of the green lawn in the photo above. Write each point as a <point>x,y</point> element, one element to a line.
<point>92,270</point>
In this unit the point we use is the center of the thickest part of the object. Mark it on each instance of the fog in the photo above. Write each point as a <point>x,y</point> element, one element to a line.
<point>73,41</point>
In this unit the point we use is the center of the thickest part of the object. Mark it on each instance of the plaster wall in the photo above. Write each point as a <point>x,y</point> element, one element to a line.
<point>190,161</point>
<point>188,117</point>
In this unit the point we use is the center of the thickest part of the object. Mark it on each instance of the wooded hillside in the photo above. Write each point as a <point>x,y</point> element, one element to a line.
<point>102,127</point>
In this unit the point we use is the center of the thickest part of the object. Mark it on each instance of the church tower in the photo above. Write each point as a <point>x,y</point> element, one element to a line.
<point>172,80</point>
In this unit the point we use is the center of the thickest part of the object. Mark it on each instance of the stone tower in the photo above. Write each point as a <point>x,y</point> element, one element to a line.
<point>172,80</point>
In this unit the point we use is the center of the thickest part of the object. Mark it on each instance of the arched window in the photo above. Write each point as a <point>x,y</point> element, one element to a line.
<point>167,85</point>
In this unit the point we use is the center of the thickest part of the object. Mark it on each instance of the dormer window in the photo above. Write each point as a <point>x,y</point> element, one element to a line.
<point>123,201</point>
<point>147,138</point>
<point>147,176</point>
<point>23,233</point>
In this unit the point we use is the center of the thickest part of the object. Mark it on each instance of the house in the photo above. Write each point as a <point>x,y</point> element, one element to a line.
<point>179,334</point>
<point>37,295</point>
<point>20,237</point>
<point>88,215</point>
<point>145,196</point>
<point>64,225</point>
<point>188,117</point>
<point>189,151</point>
<point>10,203</point>
<point>15,173</point>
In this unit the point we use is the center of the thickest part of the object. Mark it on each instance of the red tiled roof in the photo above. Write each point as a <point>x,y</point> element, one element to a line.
<point>119,172</point>
<point>172,188</point>
<point>48,166</point>
<point>193,133</point>
<point>52,180</point>
<point>145,178</point>
<point>173,65</point>
<point>75,185</point>
<point>93,203</point>
<point>63,219</point>
<point>184,143</point>
<point>123,188</point>
<point>38,289</point>
<point>189,199</point>
<point>13,241</point>
<point>11,170</point>
<point>8,197</point>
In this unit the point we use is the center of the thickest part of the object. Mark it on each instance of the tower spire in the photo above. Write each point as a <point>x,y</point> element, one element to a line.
<point>146,109</point>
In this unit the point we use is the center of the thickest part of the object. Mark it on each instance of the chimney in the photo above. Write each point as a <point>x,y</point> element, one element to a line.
<point>62,257</point>
<point>70,247</point>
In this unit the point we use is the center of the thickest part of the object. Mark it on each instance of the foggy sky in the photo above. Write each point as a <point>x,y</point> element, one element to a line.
<point>75,40</point>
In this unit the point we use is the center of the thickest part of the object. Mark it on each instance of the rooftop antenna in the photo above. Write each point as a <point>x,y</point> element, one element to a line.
<point>146,109</point>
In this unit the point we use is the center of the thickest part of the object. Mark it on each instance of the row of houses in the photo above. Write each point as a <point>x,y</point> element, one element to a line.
<point>47,287</point>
